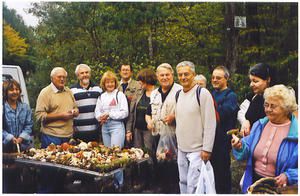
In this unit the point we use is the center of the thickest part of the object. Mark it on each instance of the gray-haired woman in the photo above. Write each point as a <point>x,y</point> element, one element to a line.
<point>271,149</point>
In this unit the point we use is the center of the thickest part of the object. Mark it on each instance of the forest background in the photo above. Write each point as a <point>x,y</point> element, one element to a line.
<point>146,34</point>
<point>105,35</point>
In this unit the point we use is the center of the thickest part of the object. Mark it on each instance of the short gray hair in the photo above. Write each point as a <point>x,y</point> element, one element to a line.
<point>286,94</point>
<point>56,69</point>
<point>186,63</point>
<point>82,66</point>
<point>225,70</point>
<point>200,77</point>
<point>166,66</point>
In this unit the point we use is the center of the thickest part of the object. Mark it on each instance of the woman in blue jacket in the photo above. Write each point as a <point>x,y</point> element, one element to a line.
<point>271,149</point>
<point>17,119</point>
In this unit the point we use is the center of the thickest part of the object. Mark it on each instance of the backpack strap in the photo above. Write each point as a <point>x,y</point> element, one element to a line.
<point>198,91</point>
<point>177,95</point>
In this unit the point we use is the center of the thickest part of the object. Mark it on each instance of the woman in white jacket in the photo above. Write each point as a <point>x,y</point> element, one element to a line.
<point>111,109</point>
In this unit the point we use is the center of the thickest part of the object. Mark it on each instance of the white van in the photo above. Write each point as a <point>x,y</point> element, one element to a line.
<point>15,72</point>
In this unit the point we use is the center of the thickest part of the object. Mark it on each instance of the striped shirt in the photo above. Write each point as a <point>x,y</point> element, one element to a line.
<point>86,100</point>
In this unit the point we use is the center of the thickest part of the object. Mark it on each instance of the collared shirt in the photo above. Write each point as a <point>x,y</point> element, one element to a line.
<point>56,90</point>
<point>17,123</point>
<point>50,102</point>
<point>124,85</point>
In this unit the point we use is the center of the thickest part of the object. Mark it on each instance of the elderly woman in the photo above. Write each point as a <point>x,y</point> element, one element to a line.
<point>17,119</point>
<point>111,109</point>
<point>252,107</point>
<point>271,149</point>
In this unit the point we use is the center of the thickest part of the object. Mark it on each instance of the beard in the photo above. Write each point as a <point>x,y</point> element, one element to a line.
<point>85,81</point>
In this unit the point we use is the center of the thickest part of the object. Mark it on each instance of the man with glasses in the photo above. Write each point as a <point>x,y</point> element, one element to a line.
<point>128,85</point>
<point>227,107</point>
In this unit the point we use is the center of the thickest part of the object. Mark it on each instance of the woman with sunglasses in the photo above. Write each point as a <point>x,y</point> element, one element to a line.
<point>17,119</point>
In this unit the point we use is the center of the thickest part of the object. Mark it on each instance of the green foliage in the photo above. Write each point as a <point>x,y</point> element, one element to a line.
<point>107,34</point>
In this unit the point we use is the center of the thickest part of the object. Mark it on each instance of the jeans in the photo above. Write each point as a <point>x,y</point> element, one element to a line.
<point>113,134</point>
<point>189,166</point>
<point>48,139</point>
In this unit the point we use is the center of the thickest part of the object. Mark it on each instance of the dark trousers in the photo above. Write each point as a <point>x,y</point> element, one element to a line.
<point>87,136</point>
<point>51,180</point>
<point>220,161</point>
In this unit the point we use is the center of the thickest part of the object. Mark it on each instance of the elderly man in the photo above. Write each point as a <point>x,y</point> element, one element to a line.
<point>86,93</point>
<point>227,107</point>
<point>56,108</point>
<point>195,127</point>
<point>201,80</point>
<point>160,118</point>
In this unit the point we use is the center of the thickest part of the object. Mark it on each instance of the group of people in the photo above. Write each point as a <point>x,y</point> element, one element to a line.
<point>140,113</point>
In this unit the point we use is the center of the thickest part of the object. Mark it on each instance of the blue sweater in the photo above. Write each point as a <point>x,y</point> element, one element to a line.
<point>287,157</point>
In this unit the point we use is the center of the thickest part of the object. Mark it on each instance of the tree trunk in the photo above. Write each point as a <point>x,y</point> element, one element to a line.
<point>232,38</point>
<point>150,45</point>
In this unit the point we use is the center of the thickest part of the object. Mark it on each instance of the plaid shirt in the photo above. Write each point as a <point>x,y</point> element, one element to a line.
<point>17,123</point>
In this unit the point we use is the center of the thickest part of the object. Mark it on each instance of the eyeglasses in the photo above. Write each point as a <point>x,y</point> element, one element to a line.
<point>271,106</point>
<point>217,77</point>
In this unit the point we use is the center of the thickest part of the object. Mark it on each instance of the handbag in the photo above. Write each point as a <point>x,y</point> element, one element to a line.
<point>206,182</point>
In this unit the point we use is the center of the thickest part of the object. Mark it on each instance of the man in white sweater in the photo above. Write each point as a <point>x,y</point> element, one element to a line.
<point>195,127</point>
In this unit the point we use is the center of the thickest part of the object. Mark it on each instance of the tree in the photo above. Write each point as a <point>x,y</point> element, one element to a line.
<point>14,45</point>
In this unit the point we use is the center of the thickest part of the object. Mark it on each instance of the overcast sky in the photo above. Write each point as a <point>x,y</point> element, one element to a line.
<point>21,7</point>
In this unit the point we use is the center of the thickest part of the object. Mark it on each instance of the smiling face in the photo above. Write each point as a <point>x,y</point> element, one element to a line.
<point>186,77</point>
<point>13,93</point>
<point>83,76</point>
<point>165,77</point>
<point>258,85</point>
<point>275,111</point>
<point>110,84</point>
<point>218,80</point>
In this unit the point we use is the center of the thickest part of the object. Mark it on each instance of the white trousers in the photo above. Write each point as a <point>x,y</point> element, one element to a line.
<point>189,166</point>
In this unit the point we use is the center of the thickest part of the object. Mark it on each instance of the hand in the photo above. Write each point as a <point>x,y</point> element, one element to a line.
<point>75,112</point>
<point>245,129</point>
<point>281,180</point>
<point>17,140</point>
<point>150,125</point>
<point>128,136</point>
<point>168,120</point>
<point>67,115</point>
<point>205,156</point>
<point>103,118</point>
<point>236,142</point>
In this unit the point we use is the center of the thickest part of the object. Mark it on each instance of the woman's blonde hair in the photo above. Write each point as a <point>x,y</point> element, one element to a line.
<point>108,75</point>
<point>286,94</point>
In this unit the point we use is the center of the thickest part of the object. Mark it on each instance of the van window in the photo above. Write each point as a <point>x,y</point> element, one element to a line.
<point>6,77</point>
